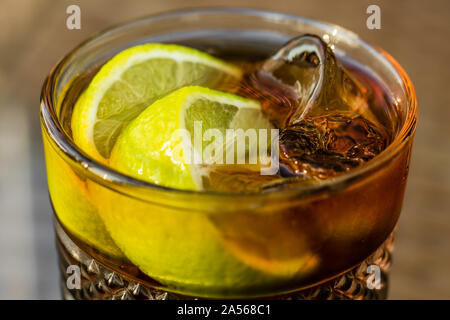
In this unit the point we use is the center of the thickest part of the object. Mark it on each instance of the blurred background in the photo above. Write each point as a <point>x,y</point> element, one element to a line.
<point>33,36</point>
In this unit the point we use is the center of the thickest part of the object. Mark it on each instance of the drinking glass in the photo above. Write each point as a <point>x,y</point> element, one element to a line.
<point>122,238</point>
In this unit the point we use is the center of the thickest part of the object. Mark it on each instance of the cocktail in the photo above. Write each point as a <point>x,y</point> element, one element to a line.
<point>226,153</point>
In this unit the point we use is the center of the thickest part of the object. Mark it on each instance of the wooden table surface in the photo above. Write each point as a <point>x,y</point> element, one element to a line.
<point>33,36</point>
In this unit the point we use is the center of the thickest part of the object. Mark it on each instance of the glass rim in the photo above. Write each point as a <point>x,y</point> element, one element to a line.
<point>106,174</point>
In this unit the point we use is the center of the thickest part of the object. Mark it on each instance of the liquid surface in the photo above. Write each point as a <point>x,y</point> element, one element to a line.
<point>323,131</point>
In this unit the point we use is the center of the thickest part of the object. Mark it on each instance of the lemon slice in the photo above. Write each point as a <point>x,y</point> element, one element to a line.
<point>196,251</point>
<point>131,81</point>
<point>73,205</point>
<point>151,147</point>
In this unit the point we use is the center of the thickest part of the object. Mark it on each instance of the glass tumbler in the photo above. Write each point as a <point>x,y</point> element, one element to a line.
<point>122,238</point>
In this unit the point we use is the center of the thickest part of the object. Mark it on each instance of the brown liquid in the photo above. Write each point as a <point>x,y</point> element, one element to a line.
<point>342,228</point>
<point>321,147</point>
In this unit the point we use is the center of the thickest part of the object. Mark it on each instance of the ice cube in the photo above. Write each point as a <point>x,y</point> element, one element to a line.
<point>327,126</point>
<point>312,79</point>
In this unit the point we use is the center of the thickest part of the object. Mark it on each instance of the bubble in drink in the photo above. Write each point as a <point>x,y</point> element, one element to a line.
<point>324,146</point>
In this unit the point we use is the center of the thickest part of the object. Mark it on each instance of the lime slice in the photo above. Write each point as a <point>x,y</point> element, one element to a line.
<point>73,205</point>
<point>199,251</point>
<point>131,81</point>
<point>151,147</point>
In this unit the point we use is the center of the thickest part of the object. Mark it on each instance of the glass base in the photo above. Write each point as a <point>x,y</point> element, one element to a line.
<point>97,281</point>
